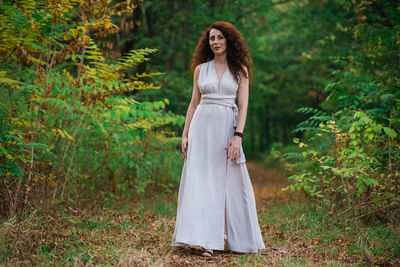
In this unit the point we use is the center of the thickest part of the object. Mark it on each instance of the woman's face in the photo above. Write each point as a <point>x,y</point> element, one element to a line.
<point>217,41</point>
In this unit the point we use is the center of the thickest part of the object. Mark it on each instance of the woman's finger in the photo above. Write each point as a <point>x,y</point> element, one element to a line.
<point>235,154</point>
<point>184,149</point>
<point>228,145</point>
<point>231,153</point>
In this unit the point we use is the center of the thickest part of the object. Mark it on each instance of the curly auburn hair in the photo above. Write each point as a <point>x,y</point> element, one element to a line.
<point>237,50</point>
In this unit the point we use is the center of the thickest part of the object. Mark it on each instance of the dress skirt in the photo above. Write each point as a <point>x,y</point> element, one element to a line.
<point>216,198</point>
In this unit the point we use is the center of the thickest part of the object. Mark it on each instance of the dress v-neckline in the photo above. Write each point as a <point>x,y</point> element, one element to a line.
<point>216,74</point>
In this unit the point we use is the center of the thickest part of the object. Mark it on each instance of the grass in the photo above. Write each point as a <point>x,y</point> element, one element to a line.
<point>332,235</point>
<point>295,234</point>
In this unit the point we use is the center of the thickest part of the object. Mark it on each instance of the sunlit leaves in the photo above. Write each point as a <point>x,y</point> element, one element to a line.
<point>63,134</point>
<point>66,105</point>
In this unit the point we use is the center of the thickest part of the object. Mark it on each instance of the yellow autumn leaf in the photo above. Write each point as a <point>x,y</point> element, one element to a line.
<point>74,32</point>
<point>70,138</point>
<point>63,134</point>
<point>60,132</point>
<point>107,24</point>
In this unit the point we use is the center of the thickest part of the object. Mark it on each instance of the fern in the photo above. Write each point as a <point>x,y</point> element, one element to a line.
<point>75,117</point>
<point>111,78</point>
<point>312,123</point>
<point>5,80</point>
<point>26,5</point>
<point>293,156</point>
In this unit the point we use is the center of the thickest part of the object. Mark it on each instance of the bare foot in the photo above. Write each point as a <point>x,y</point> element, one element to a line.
<point>207,253</point>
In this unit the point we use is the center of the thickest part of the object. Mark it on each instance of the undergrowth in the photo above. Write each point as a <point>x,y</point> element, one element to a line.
<point>139,231</point>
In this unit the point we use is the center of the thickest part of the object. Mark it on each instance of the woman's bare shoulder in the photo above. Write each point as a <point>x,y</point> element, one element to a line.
<point>198,67</point>
<point>245,70</point>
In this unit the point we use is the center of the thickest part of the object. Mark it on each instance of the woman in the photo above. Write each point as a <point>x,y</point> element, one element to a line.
<point>216,198</point>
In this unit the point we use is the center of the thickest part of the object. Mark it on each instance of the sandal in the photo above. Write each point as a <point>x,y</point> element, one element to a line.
<point>209,252</point>
<point>191,249</point>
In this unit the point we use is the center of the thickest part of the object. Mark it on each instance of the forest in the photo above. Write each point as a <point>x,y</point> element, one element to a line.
<point>93,98</point>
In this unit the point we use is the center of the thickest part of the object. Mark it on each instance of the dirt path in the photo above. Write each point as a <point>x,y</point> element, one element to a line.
<point>267,184</point>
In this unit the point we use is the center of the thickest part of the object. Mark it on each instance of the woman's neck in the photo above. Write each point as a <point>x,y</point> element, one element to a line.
<point>220,59</point>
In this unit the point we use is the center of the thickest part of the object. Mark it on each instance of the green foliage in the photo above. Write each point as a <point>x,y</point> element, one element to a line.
<point>313,121</point>
<point>352,163</point>
<point>351,159</point>
<point>69,121</point>
<point>355,168</point>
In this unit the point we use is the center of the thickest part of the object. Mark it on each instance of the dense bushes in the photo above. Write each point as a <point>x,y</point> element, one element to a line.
<point>350,153</point>
<point>68,125</point>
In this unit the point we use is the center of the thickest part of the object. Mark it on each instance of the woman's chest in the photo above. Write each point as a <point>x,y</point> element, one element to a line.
<point>209,82</point>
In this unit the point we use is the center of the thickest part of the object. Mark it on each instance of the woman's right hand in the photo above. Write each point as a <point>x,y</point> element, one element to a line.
<point>184,146</point>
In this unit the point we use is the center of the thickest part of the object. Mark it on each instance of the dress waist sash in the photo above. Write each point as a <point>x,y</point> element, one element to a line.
<point>223,100</point>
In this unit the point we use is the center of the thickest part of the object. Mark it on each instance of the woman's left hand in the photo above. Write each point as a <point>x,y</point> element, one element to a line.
<point>234,145</point>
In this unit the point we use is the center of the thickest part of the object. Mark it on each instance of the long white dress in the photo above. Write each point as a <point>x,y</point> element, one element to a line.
<point>216,198</point>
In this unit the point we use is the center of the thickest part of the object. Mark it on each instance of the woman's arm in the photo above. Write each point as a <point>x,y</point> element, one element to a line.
<point>243,99</point>
<point>191,109</point>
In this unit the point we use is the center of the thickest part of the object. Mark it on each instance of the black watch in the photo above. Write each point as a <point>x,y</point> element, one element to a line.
<point>238,134</point>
